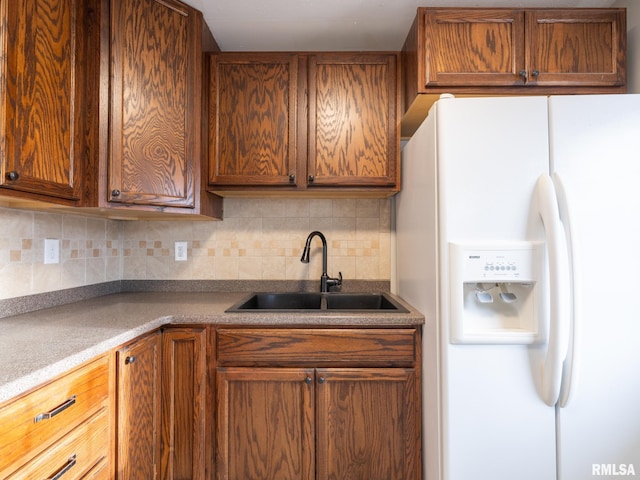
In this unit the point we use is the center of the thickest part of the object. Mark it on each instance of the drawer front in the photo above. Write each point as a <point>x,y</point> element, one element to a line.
<point>74,455</point>
<point>316,346</point>
<point>34,421</point>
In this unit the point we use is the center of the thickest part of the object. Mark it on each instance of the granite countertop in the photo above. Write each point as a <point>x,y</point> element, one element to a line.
<point>36,347</point>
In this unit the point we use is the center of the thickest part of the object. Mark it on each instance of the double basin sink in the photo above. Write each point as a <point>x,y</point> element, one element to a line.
<point>315,301</point>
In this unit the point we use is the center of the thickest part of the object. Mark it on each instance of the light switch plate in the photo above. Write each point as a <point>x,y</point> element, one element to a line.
<point>181,251</point>
<point>51,251</point>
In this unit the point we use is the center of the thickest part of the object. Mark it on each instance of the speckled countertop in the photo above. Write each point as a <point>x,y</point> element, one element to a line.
<point>36,347</point>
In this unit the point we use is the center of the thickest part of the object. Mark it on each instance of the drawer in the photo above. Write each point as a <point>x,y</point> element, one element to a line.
<point>74,455</point>
<point>316,346</point>
<point>34,421</point>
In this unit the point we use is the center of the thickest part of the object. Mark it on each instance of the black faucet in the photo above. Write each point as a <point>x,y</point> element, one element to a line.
<point>326,282</point>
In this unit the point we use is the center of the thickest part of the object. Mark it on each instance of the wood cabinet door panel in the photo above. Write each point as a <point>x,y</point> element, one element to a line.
<point>352,120</point>
<point>138,408</point>
<point>569,47</point>
<point>252,119</point>
<point>153,103</point>
<point>40,103</point>
<point>368,424</point>
<point>473,47</point>
<point>184,381</point>
<point>265,423</point>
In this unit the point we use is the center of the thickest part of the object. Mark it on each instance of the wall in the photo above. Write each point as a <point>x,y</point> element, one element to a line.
<point>633,43</point>
<point>258,239</point>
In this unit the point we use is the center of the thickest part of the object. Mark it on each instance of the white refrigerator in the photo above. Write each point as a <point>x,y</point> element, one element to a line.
<point>517,234</point>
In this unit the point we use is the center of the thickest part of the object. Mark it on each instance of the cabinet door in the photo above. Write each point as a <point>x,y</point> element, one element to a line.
<point>252,119</point>
<point>40,97</point>
<point>265,423</point>
<point>467,47</point>
<point>138,409</point>
<point>368,424</point>
<point>155,108</point>
<point>184,380</point>
<point>576,47</point>
<point>352,120</point>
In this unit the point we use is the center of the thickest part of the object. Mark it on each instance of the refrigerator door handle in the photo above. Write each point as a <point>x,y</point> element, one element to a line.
<point>559,290</point>
<point>570,365</point>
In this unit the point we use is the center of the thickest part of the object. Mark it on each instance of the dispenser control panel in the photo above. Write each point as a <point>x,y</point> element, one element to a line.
<point>512,264</point>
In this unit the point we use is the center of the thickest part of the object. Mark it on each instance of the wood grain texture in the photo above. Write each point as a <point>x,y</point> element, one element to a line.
<point>265,424</point>
<point>463,46</point>
<point>138,409</point>
<point>577,47</point>
<point>352,103</point>
<point>40,104</point>
<point>88,443</point>
<point>252,118</point>
<point>21,437</point>
<point>368,424</point>
<point>153,102</point>
<point>184,381</point>
<point>316,347</point>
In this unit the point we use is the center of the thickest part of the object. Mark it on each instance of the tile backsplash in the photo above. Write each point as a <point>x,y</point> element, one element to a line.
<point>258,239</point>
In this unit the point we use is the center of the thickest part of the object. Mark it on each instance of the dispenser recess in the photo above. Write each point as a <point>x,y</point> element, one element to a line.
<point>495,293</point>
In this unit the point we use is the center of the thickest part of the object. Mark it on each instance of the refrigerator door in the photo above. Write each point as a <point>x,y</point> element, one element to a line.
<point>470,173</point>
<point>595,161</point>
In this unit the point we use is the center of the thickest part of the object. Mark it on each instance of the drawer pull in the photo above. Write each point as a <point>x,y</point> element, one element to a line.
<point>56,411</point>
<point>68,466</point>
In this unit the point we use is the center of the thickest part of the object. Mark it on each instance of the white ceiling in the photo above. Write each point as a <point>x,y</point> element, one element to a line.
<point>311,25</point>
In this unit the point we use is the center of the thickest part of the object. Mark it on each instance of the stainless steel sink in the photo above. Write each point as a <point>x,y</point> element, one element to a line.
<point>309,301</point>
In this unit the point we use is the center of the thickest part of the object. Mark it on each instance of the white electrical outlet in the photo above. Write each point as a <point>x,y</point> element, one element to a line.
<point>51,250</point>
<point>181,251</point>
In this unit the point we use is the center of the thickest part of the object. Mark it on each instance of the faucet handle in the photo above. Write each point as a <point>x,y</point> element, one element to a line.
<point>335,282</point>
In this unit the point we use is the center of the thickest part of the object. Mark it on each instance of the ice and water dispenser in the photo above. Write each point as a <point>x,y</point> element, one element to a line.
<point>495,292</point>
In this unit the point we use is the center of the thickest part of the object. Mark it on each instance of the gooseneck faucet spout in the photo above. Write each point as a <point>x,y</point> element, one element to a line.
<point>325,281</point>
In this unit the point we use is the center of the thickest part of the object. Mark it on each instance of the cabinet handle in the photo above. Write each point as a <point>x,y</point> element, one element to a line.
<point>13,176</point>
<point>321,380</point>
<point>55,411</point>
<point>115,192</point>
<point>535,73</point>
<point>311,178</point>
<point>308,380</point>
<point>523,75</point>
<point>130,359</point>
<point>70,463</point>
<point>292,178</point>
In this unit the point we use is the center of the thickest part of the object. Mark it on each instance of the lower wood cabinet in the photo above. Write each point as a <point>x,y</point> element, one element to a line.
<point>161,400</point>
<point>318,404</point>
<point>60,427</point>
<point>138,408</point>
<point>184,402</point>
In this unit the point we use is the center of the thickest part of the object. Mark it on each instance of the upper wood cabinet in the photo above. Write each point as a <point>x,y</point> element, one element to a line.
<point>42,103</point>
<point>252,119</point>
<point>318,123</point>
<point>153,155</point>
<point>511,51</point>
<point>352,120</point>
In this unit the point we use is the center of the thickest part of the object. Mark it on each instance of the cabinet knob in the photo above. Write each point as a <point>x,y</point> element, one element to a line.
<point>321,380</point>
<point>535,73</point>
<point>292,178</point>
<point>13,176</point>
<point>130,359</point>
<point>311,178</point>
<point>115,192</point>
<point>308,380</point>
<point>523,75</point>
